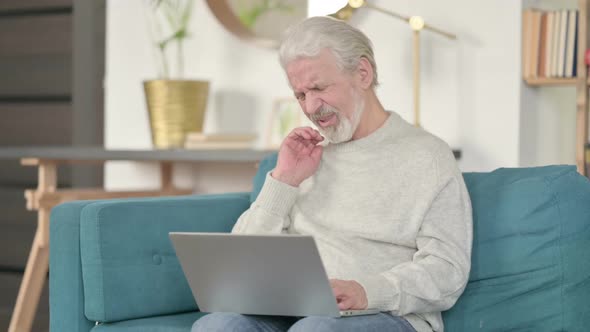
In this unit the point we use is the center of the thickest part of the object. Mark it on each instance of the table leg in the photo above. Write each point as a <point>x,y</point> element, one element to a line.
<point>38,262</point>
<point>166,180</point>
<point>33,279</point>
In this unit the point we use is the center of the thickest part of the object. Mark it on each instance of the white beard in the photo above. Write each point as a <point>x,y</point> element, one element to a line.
<point>345,127</point>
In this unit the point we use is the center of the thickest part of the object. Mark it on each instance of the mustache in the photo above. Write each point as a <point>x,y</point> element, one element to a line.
<point>323,112</point>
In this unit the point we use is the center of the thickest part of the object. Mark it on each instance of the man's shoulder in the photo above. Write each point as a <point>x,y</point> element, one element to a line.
<point>401,131</point>
<point>417,141</point>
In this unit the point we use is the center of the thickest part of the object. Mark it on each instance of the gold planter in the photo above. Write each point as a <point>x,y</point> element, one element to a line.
<point>175,108</point>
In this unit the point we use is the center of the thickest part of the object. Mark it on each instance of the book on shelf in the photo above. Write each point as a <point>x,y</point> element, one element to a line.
<point>561,50</point>
<point>543,45</point>
<point>549,43</point>
<point>536,41</point>
<point>196,140</point>
<point>556,43</point>
<point>571,45</point>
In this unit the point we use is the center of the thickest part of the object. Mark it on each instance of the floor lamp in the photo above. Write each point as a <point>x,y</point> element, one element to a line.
<point>416,23</point>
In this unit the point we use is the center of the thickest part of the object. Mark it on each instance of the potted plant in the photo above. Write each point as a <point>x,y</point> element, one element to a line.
<point>176,106</point>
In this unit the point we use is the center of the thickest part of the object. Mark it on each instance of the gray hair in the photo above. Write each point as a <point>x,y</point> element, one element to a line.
<point>347,43</point>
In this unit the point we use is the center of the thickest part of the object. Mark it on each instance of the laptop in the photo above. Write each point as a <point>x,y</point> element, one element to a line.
<point>280,275</point>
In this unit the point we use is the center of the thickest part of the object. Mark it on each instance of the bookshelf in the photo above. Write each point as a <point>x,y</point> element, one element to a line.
<point>543,81</point>
<point>580,82</point>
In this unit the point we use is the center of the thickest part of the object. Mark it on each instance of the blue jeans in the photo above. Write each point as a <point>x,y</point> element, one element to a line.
<point>230,322</point>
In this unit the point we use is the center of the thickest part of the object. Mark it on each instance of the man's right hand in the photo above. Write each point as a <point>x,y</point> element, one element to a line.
<point>299,156</point>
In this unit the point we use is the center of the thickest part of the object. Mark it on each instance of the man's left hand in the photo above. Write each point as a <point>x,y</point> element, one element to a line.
<point>349,294</point>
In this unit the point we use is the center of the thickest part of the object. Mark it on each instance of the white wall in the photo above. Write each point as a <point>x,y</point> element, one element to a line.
<point>548,126</point>
<point>470,87</point>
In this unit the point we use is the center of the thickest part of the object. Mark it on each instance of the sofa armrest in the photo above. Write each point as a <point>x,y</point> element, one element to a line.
<point>129,267</point>
<point>66,293</point>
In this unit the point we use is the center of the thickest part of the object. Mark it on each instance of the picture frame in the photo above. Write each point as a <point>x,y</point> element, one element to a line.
<point>285,116</point>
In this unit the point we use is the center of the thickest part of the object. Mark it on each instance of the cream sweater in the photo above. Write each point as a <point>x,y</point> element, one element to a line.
<point>390,211</point>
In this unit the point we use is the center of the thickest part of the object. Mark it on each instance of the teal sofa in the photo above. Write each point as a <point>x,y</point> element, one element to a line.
<point>111,261</point>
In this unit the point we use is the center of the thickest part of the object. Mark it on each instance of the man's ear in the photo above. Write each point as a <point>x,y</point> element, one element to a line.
<point>365,72</point>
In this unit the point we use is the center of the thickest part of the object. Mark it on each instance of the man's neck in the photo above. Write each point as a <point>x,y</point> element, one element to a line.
<point>372,118</point>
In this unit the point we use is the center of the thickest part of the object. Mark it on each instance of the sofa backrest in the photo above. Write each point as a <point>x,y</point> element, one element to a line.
<point>530,261</point>
<point>531,250</point>
<point>129,266</point>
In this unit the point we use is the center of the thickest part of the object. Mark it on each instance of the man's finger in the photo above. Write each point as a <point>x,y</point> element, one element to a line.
<point>303,132</point>
<point>346,304</point>
<point>295,144</point>
<point>337,290</point>
<point>302,142</point>
<point>318,134</point>
<point>334,282</point>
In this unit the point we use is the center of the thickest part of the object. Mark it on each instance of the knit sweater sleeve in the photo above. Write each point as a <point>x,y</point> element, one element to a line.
<point>437,275</point>
<point>269,213</point>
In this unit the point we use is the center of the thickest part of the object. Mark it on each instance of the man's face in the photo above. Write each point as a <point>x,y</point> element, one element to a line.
<point>329,96</point>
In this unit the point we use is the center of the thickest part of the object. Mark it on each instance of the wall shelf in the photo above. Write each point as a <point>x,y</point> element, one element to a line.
<point>542,81</point>
<point>581,82</point>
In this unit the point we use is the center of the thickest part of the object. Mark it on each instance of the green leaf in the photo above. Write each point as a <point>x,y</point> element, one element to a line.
<point>187,13</point>
<point>170,21</point>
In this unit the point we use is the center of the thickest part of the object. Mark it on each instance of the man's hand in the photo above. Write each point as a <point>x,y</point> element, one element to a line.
<point>349,294</point>
<point>299,156</point>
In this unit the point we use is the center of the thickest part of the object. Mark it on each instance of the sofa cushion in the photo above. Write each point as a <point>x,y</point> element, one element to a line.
<point>129,266</point>
<point>169,323</point>
<point>531,250</point>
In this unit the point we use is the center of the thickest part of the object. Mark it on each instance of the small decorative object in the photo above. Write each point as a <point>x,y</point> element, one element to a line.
<point>175,106</point>
<point>285,116</point>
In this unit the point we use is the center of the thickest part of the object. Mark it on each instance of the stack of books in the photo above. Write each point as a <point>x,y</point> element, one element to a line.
<point>195,140</point>
<point>549,40</point>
